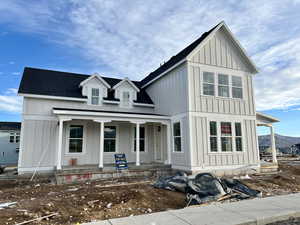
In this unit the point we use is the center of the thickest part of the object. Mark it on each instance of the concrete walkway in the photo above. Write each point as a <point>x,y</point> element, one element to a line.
<point>255,211</point>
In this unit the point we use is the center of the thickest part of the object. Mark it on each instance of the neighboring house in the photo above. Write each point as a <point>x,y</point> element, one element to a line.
<point>9,142</point>
<point>195,112</point>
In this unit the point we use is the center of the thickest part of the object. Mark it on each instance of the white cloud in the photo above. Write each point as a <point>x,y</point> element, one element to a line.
<point>15,73</point>
<point>10,102</point>
<point>132,38</point>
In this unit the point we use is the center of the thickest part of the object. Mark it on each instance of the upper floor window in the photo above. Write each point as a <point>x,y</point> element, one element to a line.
<point>208,83</point>
<point>126,98</point>
<point>14,137</point>
<point>237,87</point>
<point>223,85</point>
<point>95,96</point>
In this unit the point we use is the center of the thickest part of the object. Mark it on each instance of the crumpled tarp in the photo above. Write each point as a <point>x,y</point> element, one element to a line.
<point>205,187</point>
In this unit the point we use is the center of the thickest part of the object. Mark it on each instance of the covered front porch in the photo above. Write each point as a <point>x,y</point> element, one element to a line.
<point>267,121</point>
<point>89,139</point>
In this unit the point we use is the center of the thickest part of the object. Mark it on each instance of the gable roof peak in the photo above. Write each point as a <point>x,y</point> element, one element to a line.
<point>97,76</point>
<point>126,79</point>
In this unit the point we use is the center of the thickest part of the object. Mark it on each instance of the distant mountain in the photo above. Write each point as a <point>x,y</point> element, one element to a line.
<point>281,141</point>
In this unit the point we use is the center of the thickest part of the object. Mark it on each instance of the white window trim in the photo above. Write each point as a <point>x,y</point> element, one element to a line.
<point>173,137</point>
<point>223,85</point>
<point>92,96</point>
<point>216,84</point>
<point>232,121</point>
<point>231,88</point>
<point>90,88</point>
<point>133,139</point>
<point>202,83</point>
<point>117,140</point>
<point>83,139</point>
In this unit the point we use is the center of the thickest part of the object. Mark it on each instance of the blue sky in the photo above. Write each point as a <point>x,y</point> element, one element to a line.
<point>131,38</point>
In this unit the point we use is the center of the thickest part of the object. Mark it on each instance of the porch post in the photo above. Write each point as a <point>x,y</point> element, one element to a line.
<point>101,144</point>
<point>137,144</point>
<point>60,134</point>
<point>273,145</point>
<point>169,143</point>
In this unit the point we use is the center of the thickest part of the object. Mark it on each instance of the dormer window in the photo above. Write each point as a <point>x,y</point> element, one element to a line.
<point>126,99</point>
<point>95,96</point>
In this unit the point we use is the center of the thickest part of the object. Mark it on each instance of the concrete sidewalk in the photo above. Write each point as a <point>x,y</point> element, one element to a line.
<point>255,211</point>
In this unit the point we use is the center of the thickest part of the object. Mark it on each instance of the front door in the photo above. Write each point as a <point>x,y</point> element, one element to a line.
<point>158,143</point>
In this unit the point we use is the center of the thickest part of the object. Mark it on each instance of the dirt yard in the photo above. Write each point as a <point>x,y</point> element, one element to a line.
<point>103,200</point>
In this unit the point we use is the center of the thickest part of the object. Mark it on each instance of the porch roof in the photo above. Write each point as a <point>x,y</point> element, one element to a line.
<point>265,119</point>
<point>89,113</point>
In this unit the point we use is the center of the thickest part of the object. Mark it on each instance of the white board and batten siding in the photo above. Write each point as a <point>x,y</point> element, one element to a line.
<point>170,95</point>
<point>220,55</point>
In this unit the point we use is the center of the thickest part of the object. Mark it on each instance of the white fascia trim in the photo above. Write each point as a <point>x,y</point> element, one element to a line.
<point>83,113</point>
<point>168,70</point>
<point>268,117</point>
<point>53,97</point>
<point>97,76</point>
<point>111,102</point>
<point>144,104</point>
<point>126,79</point>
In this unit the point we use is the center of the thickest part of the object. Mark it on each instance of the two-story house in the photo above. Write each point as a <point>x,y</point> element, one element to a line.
<point>196,112</point>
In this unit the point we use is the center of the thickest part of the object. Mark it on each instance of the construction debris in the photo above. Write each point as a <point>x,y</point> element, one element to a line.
<point>7,204</point>
<point>206,187</point>
<point>38,219</point>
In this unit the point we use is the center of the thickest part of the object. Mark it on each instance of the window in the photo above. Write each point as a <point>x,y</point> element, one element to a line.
<point>142,139</point>
<point>110,134</point>
<point>238,137</point>
<point>17,137</point>
<point>213,136</point>
<point>226,137</point>
<point>223,85</point>
<point>237,87</point>
<point>95,96</point>
<point>76,139</point>
<point>126,98</point>
<point>12,137</point>
<point>208,83</point>
<point>177,137</point>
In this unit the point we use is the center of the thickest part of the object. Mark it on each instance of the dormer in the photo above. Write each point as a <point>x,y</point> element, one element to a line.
<point>95,89</point>
<point>126,91</point>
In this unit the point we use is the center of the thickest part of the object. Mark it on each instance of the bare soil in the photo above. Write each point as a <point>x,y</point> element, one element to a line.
<point>78,203</point>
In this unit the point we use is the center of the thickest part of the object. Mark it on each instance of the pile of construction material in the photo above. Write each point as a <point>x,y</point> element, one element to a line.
<point>205,188</point>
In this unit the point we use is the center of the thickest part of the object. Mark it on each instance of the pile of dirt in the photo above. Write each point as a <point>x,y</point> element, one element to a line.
<point>83,202</point>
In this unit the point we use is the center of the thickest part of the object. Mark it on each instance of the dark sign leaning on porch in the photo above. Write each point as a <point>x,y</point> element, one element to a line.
<point>121,162</point>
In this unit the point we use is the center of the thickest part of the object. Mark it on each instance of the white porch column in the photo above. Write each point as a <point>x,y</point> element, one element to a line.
<point>273,145</point>
<point>169,141</point>
<point>101,144</point>
<point>60,136</point>
<point>137,144</point>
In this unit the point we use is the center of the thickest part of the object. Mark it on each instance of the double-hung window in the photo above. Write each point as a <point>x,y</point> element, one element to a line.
<point>142,139</point>
<point>76,139</point>
<point>208,83</point>
<point>126,98</point>
<point>237,87</point>
<point>110,135</point>
<point>223,85</point>
<point>213,136</point>
<point>177,137</point>
<point>95,96</point>
<point>238,137</point>
<point>226,137</point>
<point>12,137</point>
